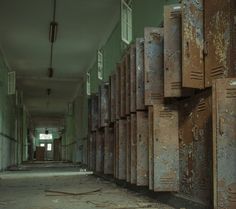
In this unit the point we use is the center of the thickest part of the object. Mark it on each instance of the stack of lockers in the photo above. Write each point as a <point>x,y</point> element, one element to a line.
<point>152,124</point>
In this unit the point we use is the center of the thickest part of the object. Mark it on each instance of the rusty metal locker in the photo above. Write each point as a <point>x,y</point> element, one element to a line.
<point>89,115</point>
<point>100,151</point>
<point>112,95</point>
<point>116,149</point>
<point>220,39</point>
<point>192,44</point>
<point>108,150</point>
<point>133,134</point>
<point>117,89</point>
<point>224,143</point>
<point>128,149</point>
<point>142,148</point>
<point>140,101</point>
<point>103,103</point>
<point>122,149</point>
<point>150,147</point>
<point>127,80</point>
<point>173,52</point>
<point>132,78</point>
<point>195,137</point>
<point>153,66</point>
<point>122,89</point>
<point>94,112</point>
<point>166,148</point>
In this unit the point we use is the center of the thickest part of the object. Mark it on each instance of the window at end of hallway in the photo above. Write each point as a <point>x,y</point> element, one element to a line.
<point>45,136</point>
<point>100,64</point>
<point>126,21</point>
<point>88,84</point>
<point>49,147</point>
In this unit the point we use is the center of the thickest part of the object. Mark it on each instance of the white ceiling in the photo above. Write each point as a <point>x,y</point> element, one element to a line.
<point>84,25</point>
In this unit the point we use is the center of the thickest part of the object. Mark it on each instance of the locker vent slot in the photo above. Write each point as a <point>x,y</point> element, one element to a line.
<point>176,85</point>
<point>231,93</point>
<point>202,107</point>
<point>155,96</point>
<point>167,180</point>
<point>166,114</point>
<point>217,72</point>
<point>196,75</point>
<point>175,14</point>
<point>232,194</point>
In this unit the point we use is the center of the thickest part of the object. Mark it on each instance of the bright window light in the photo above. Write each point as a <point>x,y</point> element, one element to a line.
<point>49,147</point>
<point>45,136</point>
<point>42,145</point>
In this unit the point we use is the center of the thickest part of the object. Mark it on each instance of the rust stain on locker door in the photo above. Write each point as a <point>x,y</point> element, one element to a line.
<point>140,103</point>
<point>127,82</point>
<point>173,52</point>
<point>94,112</point>
<point>151,147</point>
<point>92,151</point>
<point>112,98</point>
<point>153,62</point>
<point>133,149</point>
<point>108,150</point>
<point>224,143</point>
<point>103,102</point>
<point>192,44</point>
<point>132,78</point>
<point>220,35</point>
<point>142,148</point>
<point>166,148</point>
<point>128,149</point>
<point>100,151</point>
<point>195,137</point>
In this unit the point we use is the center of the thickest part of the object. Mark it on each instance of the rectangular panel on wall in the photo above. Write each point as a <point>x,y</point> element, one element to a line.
<point>220,38</point>
<point>103,102</point>
<point>195,137</point>
<point>128,149</point>
<point>117,108</point>
<point>140,103</point>
<point>192,44</point>
<point>108,150</point>
<point>99,150</point>
<point>173,52</point>
<point>133,148</point>
<point>142,148</point>
<point>122,150</point>
<point>153,66</point>
<point>150,147</point>
<point>112,98</point>
<point>122,89</point>
<point>224,143</point>
<point>94,112</point>
<point>127,80</point>
<point>166,148</point>
<point>132,78</point>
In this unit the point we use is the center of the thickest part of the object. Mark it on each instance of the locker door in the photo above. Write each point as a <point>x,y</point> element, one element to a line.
<point>173,52</point>
<point>133,149</point>
<point>140,103</point>
<point>112,99</point>
<point>108,150</point>
<point>118,91</point>
<point>122,89</point>
<point>220,36</point>
<point>116,149</point>
<point>122,150</point>
<point>128,150</point>
<point>142,148</point>
<point>224,143</point>
<point>94,106</point>
<point>192,44</point>
<point>153,65</point>
<point>166,148</point>
<point>132,78</point>
<point>103,104</point>
<point>99,151</point>
<point>127,82</point>
<point>93,158</point>
<point>150,145</point>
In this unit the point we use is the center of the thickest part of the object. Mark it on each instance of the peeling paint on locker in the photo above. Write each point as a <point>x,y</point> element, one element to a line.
<point>118,98</point>
<point>166,148</point>
<point>153,66</point>
<point>173,52</point>
<point>142,148</point>
<point>127,82</point>
<point>133,149</point>
<point>224,143</point>
<point>140,103</point>
<point>128,150</point>
<point>220,33</point>
<point>192,44</point>
<point>151,147</point>
<point>103,101</point>
<point>94,114</point>
<point>195,137</point>
<point>108,150</point>
<point>99,150</point>
<point>112,96</point>
<point>122,89</point>
<point>132,78</point>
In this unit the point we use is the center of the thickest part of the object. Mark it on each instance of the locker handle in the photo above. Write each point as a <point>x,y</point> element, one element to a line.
<point>221,126</point>
<point>147,77</point>
<point>187,49</point>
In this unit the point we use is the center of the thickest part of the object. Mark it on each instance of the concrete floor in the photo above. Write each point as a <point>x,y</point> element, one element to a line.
<point>26,189</point>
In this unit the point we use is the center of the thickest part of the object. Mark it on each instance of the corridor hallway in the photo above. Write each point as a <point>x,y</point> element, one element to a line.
<point>29,188</point>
